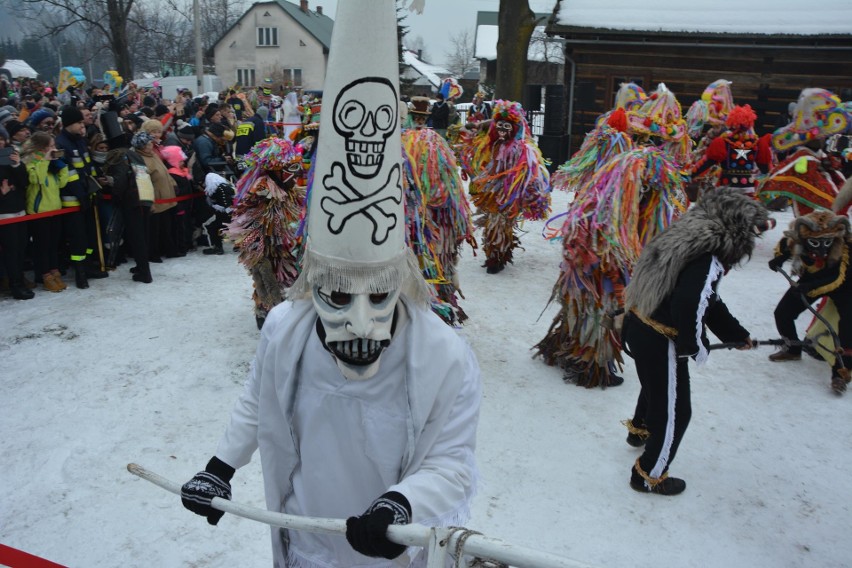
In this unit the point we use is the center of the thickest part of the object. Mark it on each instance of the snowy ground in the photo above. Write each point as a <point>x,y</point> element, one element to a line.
<point>123,372</point>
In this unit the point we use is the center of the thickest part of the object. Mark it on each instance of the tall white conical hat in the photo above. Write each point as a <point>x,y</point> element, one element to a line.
<point>356,220</point>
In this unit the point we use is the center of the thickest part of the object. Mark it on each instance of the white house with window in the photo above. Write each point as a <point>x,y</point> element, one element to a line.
<point>278,40</point>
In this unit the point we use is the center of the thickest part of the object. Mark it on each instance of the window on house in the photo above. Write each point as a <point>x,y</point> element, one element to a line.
<point>293,77</point>
<point>267,37</point>
<point>245,77</point>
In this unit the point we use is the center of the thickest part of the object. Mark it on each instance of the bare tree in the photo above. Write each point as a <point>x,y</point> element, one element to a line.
<point>460,58</point>
<point>143,33</point>
<point>516,22</point>
<point>105,21</point>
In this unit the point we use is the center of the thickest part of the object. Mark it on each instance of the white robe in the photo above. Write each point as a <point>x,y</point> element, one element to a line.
<point>329,447</point>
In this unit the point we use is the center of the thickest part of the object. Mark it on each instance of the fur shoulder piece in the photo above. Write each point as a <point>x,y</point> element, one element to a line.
<point>723,223</point>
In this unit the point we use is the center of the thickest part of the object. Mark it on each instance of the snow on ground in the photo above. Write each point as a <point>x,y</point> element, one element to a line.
<point>91,380</point>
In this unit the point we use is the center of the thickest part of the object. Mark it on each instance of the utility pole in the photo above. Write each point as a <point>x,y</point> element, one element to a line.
<point>199,59</point>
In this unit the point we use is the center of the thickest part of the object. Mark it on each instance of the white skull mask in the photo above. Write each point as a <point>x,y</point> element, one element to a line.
<point>365,114</point>
<point>358,327</point>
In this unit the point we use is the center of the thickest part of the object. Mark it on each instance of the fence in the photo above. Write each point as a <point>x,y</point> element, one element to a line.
<point>534,117</point>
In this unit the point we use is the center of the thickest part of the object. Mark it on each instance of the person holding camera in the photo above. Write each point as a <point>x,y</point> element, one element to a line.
<point>13,204</point>
<point>47,175</point>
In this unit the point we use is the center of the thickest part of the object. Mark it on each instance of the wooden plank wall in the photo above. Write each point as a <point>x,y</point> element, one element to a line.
<point>766,78</point>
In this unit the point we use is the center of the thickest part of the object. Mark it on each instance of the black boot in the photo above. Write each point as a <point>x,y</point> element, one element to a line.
<point>21,292</point>
<point>215,249</point>
<point>93,270</point>
<point>662,486</point>
<point>80,275</point>
<point>143,276</point>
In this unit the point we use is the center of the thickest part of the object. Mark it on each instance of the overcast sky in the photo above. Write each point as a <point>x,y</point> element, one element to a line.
<point>442,19</point>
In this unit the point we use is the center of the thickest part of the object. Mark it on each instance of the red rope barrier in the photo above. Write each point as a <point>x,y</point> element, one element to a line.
<point>64,210</point>
<point>14,558</point>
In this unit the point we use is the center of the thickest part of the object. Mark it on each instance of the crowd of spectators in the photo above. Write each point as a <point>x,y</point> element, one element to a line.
<point>91,180</point>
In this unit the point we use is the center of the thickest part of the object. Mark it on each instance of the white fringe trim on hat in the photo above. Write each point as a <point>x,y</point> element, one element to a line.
<point>359,277</point>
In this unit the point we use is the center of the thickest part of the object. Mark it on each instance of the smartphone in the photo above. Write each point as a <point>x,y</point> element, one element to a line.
<point>5,160</point>
<point>58,153</point>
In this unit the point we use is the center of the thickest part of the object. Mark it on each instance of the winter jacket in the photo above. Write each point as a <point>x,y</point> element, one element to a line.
<point>119,166</point>
<point>164,185</point>
<point>440,115</point>
<point>695,305</point>
<point>46,180</point>
<point>79,165</point>
<point>16,200</point>
<point>206,152</point>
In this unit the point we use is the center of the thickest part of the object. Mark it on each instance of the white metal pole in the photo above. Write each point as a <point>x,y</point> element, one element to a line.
<point>438,540</point>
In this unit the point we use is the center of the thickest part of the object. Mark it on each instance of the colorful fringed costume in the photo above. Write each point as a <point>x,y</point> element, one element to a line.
<point>438,216</point>
<point>810,178</point>
<point>511,180</point>
<point>632,198</point>
<point>268,208</point>
<point>705,121</point>
<point>602,143</point>
<point>659,123</point>
<point>738,152</point>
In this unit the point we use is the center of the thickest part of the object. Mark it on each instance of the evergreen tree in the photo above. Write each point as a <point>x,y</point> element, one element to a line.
<point>405,85</point>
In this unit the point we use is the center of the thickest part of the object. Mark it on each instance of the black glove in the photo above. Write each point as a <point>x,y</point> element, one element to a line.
<point>366,534</point>
<point>776,263</point>
<point>197,493</point>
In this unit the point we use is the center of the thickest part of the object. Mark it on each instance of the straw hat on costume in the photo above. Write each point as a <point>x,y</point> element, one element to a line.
<point>419,105</point>
<point>818,114</point>
<point>355,241</point>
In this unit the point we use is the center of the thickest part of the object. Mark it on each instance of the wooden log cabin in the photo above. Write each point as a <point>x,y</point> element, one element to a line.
<point>769,49</point>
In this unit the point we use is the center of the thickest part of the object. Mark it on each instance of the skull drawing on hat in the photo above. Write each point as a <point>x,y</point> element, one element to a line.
<point>365,114</point>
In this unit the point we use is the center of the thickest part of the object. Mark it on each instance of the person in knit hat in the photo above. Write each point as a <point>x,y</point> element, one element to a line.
<point>362,403</point>
<point>18,133</point>
<point>160,241</point>
<point>43,119</point>
<point>176,161</point>
<point>80,226</point>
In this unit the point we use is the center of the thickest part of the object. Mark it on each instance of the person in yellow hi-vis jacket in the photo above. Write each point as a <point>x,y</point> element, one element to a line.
<point>47,174</point>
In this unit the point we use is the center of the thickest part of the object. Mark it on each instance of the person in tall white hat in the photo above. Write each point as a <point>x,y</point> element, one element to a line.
<point>363,403</point>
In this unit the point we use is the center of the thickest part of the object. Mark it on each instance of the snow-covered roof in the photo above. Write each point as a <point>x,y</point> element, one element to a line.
<point>431,72</point>
<point>19,68</point>
<point>486,45</point>
<point>760,17</point>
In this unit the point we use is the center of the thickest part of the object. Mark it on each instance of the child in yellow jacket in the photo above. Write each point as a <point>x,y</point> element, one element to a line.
<point>48,174</point>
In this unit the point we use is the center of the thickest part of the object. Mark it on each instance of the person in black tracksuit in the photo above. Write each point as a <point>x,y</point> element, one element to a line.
<point>671,301</point>
<point>670,338</point>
